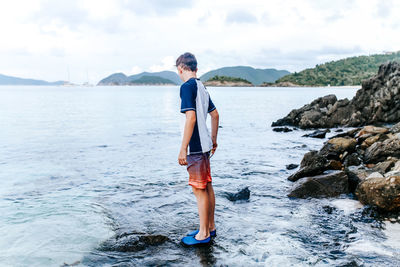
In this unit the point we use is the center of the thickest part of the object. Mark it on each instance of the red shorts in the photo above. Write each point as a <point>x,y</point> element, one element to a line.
<point>198,167</point>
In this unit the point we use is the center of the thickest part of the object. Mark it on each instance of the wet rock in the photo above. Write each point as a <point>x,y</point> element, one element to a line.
<point>396,166</point>
<point>377,102</point>
<point>334,165</point>
<point>352,160</point>
<point>317,134</point>
<point>325,185</point>
<point>382,192</point>
<point>356,175</point>
<point>338,130</point>
<point>336,146</point>
<point>351,133</point>
<point>312,164</point>
<point>292,166</point>
<point>395,128</point>
<point>372,139</point>
<point>131,242</point>
<point>383,167</point>
<point>243,194</point>
<point>379,151</point>
<point>282,129</point>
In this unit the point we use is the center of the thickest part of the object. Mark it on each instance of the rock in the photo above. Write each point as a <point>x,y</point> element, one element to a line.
<point>377,102</point>
<point>292,166</point>
<point>383,167</point>
<point>396,166</point>
<point>282,129</point>
<point>334,165</point>
<point>352,160</point>
<point>374,175</point>
<point>243,194</point>
<point>336,146</point>
<point>325,185</point>
<point>351,133</point>
<point>372,139</point>
<point>338,130</point>
<point>356,175</point>
<point>370,129</point>
<point>311,164</point>
<point>383,193</point>
<point>379,151</point>
<point>131,242</point>
<point>395,128</point>
<point>317,134</point>
<point>392,173</point>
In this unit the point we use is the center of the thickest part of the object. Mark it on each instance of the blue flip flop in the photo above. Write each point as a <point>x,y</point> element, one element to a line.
<point>212,233</point>
<point>191,241</point>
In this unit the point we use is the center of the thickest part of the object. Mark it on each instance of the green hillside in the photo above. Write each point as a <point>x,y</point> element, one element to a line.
<point>151,80</point>
<point>227,79</point>
<point>255,76</point>
<point>348,71</point>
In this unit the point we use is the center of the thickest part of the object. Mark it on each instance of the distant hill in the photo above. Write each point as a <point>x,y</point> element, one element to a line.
<point>255,76</point>
<point>151,80</point>
<point>227,81</point>
<point>348,71</point>
<point>162,77</point>
<point>10,80</point>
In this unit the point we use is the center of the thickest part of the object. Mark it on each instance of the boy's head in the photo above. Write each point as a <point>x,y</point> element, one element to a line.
<point>186,63</point>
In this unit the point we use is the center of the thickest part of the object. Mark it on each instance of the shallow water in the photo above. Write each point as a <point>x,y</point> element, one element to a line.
<point>80,165</point>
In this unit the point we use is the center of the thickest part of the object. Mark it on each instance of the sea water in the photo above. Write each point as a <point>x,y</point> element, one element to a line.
<point>79,165</point>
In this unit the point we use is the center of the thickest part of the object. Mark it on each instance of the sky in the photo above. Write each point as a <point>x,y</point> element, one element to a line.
<point>87,40</point>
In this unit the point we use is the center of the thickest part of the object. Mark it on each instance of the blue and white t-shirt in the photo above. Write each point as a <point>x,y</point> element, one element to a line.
<point>195,97</point>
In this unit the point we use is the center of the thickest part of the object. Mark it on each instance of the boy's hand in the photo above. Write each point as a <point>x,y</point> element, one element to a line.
<point>182,157</point>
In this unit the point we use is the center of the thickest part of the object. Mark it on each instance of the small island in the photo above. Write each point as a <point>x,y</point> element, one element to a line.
<point>227,81</point>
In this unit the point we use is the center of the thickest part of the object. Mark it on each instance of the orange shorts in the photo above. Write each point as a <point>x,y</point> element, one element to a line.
<point>198,167</point>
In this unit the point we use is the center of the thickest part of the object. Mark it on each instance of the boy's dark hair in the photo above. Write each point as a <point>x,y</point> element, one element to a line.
<point>187,61</point>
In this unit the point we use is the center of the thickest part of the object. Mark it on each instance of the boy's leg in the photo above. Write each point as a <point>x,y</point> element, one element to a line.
<point>211,211</point>
<point>203,206</point>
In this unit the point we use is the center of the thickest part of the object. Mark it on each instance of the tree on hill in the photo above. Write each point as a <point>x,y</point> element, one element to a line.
<point>348,71</point>
<point>227,79</point>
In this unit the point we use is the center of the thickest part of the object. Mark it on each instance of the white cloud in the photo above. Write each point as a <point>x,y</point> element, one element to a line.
<point>167,63</point>
<point>42,38</point>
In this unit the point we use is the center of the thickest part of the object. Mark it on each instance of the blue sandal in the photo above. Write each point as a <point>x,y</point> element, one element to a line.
<point>192,241</point>
<point>212,233</point>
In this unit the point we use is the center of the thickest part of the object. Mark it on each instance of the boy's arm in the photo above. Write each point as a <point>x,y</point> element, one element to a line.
<point>187,134</point>
<point>214,128</point>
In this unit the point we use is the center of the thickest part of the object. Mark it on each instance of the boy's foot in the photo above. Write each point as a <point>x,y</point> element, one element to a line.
<point>192,241</point>
<point>213,233</point>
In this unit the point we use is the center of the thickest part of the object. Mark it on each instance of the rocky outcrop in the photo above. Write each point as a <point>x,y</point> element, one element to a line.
<point>364,161</point>
<point>382,192</point>
<point>377,102</point>
<point>325,185</point>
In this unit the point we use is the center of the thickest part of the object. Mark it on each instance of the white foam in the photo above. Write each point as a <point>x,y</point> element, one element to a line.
<point>348,206</point>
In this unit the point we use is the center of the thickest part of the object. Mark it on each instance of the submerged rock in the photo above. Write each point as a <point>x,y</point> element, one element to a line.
<point>131,242</point>
<point>282,129</point>
<point>243,194</point>
<point>382,192</point>
<point>292,166</point>
<point>317,134</point>
<point>377,102</point>
<point>325,185</point>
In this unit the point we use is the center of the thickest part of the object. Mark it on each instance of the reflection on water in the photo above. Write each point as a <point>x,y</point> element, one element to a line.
<point>83,167</point>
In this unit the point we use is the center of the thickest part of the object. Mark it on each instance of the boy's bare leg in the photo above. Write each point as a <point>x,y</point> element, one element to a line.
<point>211,211</point>
<point>203,206</point>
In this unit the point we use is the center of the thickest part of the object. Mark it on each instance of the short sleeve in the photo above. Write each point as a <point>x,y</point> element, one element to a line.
<point>188,95</point>
<point>211,105</point>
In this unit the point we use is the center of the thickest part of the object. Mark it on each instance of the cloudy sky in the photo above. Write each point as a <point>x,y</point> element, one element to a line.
<point>46,39</point>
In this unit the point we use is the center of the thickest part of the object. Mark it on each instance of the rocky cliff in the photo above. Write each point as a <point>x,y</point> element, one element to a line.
<point>377,102</point>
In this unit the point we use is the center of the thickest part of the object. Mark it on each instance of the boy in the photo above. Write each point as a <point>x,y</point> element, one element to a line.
<point>198,146</point>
